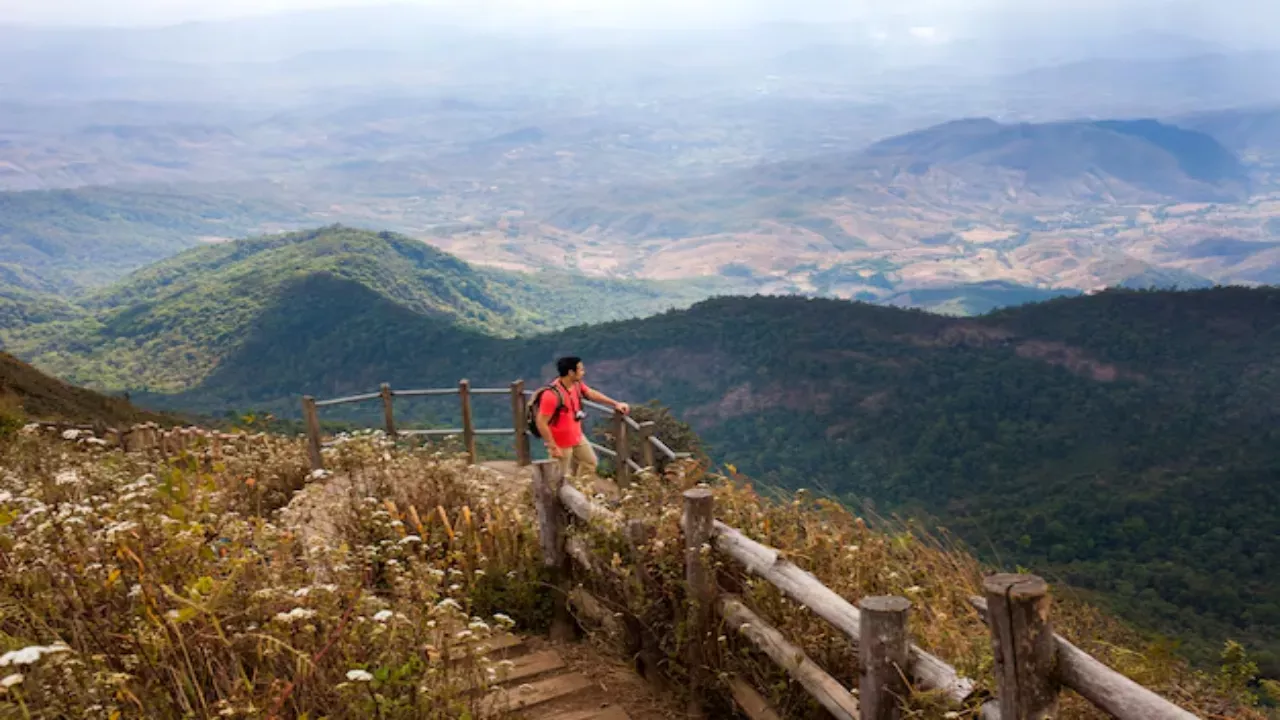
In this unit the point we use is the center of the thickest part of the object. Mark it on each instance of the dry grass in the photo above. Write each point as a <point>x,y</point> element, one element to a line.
<point>856,560</point>
<point>141,586</point>
<point>167,588</point>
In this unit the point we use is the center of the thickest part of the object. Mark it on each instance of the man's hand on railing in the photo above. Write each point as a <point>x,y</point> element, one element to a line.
<point>623,408</point>
<point>554,451</point>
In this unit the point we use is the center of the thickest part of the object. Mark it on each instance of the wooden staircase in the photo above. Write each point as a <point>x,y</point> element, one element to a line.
<point>542,684</point>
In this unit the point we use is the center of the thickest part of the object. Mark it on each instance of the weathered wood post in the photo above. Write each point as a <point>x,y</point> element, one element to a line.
<point>548,475</point>
<point>699,576</point>
<point>621,446</point>
<point>647,429</point>
<point>468,428</point>
<point>313,431</point>
<point>518,412</point>
<point>883,653</point>
<point>648,653</point>
<point>1023,645</point>
<point>388,416</point>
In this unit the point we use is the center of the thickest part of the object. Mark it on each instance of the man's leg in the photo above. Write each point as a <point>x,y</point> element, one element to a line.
<point>586,457</point>
<point>566,461</point>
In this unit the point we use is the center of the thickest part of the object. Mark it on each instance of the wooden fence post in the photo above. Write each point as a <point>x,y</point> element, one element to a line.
<point>699,575</point>
<point>647,457</point>
<point>518,412</point>
<point>388,416</point>
<point>548,475</point>
<point>649,654</point>
<point>883,655</point>
<point>313,431</point>
<point>468,428</point>
<point>1023,645</point>
<point>621,446</point>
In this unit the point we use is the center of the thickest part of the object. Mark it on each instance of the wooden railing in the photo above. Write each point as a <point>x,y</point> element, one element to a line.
<point>1032,663</point>
<point>651,446</point>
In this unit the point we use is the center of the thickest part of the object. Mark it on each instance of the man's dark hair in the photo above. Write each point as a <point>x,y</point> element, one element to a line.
<point>566,365</point>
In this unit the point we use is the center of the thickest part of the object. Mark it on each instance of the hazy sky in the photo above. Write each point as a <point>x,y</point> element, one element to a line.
<point>1220,18</point>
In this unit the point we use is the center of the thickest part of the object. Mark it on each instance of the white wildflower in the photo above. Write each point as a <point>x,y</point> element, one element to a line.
<point>383,615</point>
<point>302,592</point>
<point>359,676</point>
<point>448,603</point>
<point>295,614</point>
<point>409,539</point>
<point>465,635</point>
<point>31,654</point>
<point>478,625</point>
<point>70,434</point>
<point>913,590</point>
<point>5,496</point>
<point>503,619</point>
<point>319,474</point>
<point>11,680</point>
<point>67,477</point>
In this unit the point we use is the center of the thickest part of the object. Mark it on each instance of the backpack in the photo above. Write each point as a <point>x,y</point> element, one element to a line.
<point>531,411</point>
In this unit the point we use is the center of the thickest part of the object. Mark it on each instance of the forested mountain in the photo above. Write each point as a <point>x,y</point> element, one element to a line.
<point>167,326</point>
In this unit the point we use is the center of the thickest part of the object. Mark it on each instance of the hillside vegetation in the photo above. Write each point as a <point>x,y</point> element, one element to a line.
<point>196,584</point>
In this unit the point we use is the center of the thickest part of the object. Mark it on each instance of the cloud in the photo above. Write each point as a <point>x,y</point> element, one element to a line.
<point>924,32</point>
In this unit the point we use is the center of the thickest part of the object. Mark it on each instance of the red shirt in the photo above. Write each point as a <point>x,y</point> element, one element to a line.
<point>566,430</point>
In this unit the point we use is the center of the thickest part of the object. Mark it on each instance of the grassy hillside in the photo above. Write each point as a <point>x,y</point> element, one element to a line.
<point>1123,442</point>
<point>167,326</point>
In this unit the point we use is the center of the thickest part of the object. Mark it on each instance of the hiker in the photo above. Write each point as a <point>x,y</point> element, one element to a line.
<point>559,416</point>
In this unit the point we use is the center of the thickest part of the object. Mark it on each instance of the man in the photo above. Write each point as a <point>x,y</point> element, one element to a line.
<point>563,435</point>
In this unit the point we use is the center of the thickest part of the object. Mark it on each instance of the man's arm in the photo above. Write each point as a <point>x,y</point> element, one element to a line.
<point>597,396</point>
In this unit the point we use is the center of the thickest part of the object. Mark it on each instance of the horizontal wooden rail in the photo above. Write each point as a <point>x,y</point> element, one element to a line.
<point>662,447</point>
<point>435,432</point>
<point>824,688</point>
<point>349,399</point>
<point>490,391</point>
<point>1107,689</point>
<point>425,393</point>
<point>585,510</point>
<point>930,672</point>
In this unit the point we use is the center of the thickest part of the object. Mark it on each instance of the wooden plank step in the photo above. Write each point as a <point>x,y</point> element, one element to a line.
<point>613,712</point>
<point>531,665</point>
<point>497,647</point>
<point>521,697</point>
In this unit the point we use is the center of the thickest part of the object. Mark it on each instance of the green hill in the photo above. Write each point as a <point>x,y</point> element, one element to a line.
<point>167,326</point>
